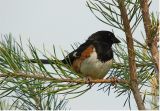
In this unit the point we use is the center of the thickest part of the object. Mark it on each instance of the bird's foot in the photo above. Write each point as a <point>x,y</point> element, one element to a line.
<point>114,80</point>
<point>87,80</point>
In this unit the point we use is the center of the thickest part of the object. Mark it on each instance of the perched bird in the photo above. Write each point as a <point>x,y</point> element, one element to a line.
<point>93,58</point>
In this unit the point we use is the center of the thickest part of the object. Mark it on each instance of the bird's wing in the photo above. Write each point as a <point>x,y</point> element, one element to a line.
<point>76,53</point>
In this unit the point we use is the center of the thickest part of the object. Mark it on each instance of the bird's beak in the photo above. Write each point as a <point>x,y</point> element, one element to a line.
<point>115,40</point>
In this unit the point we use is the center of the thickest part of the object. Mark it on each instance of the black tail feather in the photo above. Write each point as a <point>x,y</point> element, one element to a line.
<point>44,61</point>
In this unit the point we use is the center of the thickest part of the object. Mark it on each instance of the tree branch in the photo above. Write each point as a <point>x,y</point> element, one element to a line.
<point>151,41</point>
<point>57,80</point>
<point>131,54</point>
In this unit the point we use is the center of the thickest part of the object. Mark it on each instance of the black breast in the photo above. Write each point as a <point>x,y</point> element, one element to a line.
<point>104,51</point>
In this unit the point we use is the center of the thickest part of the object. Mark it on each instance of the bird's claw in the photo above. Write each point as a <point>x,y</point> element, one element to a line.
<point>87,80</point>
<point>114,80</point>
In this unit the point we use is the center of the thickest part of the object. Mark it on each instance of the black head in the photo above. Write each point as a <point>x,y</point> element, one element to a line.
<point>104,36</point>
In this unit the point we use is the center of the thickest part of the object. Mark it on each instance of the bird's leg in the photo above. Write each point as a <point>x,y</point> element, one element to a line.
<point>114,80</point>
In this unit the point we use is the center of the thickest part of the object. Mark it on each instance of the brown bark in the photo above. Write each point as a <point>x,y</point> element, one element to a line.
<point>57,80</point>
<point>131,55</point>
<point>151,41</point>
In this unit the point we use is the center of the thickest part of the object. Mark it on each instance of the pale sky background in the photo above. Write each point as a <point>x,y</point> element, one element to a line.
<point>60,22</point>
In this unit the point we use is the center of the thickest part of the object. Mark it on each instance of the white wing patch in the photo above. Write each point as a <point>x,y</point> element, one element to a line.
<point>75,54</point>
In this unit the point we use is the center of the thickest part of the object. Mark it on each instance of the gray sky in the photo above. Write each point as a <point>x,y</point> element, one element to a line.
<point>59,22</point>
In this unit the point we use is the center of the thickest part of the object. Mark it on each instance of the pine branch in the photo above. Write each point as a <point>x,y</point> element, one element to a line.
<point>57,80</point>
<point>151,41</point>
<point>131,54</point>
<point>152,36</point>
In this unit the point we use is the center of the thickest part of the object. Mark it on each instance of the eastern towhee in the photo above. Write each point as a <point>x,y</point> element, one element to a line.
<point>93,58</point>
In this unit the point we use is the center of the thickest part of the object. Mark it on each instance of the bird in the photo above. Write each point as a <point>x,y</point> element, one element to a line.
<point>93,58</point>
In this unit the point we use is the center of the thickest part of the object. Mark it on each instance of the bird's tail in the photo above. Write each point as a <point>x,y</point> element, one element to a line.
<point>44,61</point>
<point>47,61</point>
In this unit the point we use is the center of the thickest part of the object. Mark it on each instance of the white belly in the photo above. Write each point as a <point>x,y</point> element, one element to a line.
<point>94,68</point>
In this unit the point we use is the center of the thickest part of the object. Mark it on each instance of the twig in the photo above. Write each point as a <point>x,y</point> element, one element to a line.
<point>57,80</point>
<point>131,54</point>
